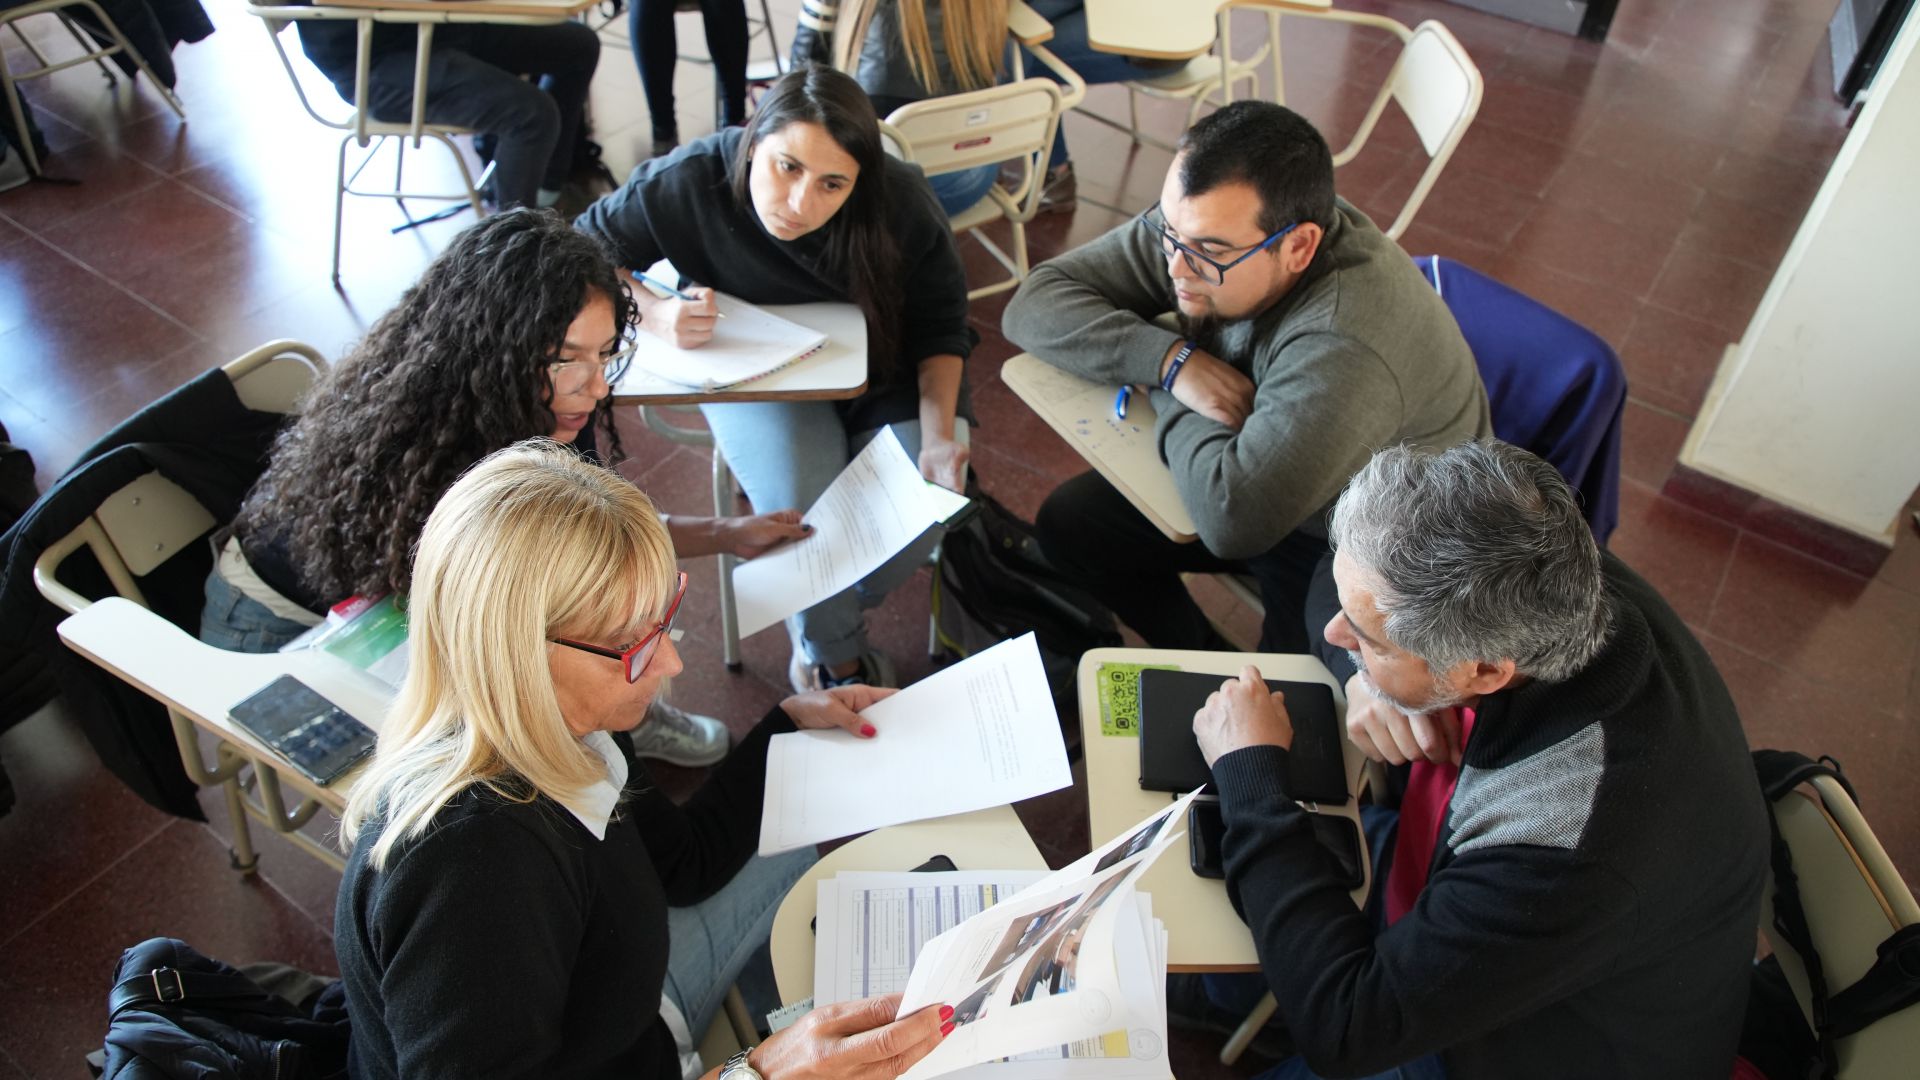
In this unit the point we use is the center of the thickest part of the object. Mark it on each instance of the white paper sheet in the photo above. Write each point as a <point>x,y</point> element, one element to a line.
<point>1045,968</point>
<point>877,505</point>
<point>980,733</point>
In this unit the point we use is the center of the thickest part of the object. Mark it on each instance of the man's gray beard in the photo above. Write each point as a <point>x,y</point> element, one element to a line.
<point>1437,695</point>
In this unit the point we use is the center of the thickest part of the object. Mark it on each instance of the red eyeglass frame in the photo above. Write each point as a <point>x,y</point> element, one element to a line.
<point>636,656</point>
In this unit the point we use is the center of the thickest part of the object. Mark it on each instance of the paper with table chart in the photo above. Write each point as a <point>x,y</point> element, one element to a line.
<point>871,926</point>
<point>1057,963</point>
<point>980,733</point>
<point>876,506</point>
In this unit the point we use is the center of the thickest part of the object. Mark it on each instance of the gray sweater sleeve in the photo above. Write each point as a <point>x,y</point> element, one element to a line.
<point>1323,404</point>
<point>1089,311</point>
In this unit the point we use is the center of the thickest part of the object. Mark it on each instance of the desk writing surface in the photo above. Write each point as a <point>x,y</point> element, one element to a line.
<point>1165,29</point>
<point>202,682</point>
<point>557,10</point>
<point>990,839</point>
<point>1204,933</point>
<point>837,371</point>
<point>1124,451</point>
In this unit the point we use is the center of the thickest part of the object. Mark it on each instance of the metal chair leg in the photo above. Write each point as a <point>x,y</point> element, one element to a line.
<point>1243,1035</point>
<point>85,46</point>
<point>724,495</point>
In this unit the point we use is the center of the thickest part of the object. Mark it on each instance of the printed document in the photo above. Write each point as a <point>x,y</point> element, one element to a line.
<point>1057,963</point>
<point>872,927</point>
<point>980,733</point>
<point>876,506</point>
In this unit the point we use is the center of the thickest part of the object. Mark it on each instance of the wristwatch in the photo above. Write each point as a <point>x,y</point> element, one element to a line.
<point>737,1068</point>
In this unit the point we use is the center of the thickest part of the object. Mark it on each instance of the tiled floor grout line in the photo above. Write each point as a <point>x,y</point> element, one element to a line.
<point>54,907</point>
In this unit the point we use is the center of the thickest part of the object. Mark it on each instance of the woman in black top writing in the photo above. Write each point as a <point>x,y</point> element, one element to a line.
<point>804,205</point>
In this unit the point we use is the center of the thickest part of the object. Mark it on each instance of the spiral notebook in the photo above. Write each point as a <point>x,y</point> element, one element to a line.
<point>748,344</point>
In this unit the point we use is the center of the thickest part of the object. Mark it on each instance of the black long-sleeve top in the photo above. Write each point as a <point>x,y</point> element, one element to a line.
<point>506,941</point>
<point>681,208</point>
<point>1592,902</point>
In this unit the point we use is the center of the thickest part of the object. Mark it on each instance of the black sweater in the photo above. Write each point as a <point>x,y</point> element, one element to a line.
<point>1592,902</point>
<point>681,208</point>
<point>507,942</point>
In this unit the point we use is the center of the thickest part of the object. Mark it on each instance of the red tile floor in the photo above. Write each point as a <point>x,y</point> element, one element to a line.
<point>1646,187</point>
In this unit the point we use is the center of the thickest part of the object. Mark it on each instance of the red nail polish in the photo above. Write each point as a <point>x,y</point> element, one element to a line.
<point>946,1029</point>
<point>946,1012</point>
<point>868,731</point>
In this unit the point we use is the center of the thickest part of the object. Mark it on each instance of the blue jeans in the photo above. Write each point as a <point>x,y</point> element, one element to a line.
<point>723,940</point>
<point>1069,19</point>
<point>959,190</point>
<point>785,454</point>
<point>234,621</point>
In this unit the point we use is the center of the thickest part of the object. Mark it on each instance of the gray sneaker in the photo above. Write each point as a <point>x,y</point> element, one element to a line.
<point>680,738</point>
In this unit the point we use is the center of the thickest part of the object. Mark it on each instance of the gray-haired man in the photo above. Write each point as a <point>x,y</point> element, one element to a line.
<point>1575,882</point>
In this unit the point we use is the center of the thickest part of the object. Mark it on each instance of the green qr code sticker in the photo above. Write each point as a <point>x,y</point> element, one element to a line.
<point>1120,697</point>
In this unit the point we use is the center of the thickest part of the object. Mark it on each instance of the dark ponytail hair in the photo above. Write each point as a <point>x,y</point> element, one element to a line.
<point>860,245</point>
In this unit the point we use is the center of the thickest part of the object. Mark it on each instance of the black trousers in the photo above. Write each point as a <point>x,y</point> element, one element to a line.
<point>474,81</point>
<point>1090,532</point>
<point>655,48</point>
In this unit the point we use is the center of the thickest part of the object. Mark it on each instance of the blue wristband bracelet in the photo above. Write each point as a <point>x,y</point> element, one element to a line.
<point>1173,369</point>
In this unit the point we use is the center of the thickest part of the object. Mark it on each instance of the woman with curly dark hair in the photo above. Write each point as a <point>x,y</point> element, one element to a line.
<point>804,205</point>
<point>518,329</point>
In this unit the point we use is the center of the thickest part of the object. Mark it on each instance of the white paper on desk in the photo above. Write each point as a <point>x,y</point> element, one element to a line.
<point>872,926</point>
<point>747,343</point>
<point>876,506</point>
<point>1043,969</point>
<point>980,733</point>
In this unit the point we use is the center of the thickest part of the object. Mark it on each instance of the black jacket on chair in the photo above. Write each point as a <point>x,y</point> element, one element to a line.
<point>199,436</point>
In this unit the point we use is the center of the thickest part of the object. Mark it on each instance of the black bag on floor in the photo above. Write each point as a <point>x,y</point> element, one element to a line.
<point>176,1013</point>
<point>993,583</point>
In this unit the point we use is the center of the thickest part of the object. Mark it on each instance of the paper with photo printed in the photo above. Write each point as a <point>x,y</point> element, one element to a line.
<point>1041,968</point>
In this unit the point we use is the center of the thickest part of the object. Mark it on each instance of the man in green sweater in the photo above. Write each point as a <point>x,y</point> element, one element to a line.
<point>1307,340</point>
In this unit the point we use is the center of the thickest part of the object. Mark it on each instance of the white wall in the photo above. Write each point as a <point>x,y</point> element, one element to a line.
<point>1818,406</point>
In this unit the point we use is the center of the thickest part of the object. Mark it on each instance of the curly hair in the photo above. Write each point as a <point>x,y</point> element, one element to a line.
<point>456,371</point>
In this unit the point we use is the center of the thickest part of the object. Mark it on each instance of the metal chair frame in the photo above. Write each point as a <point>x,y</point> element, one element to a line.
<point>92,52</point>
<point>146,523</point>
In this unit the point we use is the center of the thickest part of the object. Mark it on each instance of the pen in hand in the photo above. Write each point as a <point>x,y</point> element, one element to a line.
<point>671,291</point>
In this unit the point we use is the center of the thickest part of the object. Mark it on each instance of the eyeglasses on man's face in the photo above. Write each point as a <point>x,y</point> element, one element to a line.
<point>1209,269</point>
<point>572,377</point>
<point>637,656</point>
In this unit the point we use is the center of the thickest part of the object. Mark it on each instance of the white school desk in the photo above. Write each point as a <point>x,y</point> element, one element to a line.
<point>836,372</point>
<point>990,839</point>
<point>1203,931</point>
<point>1167,29</point>
<point>1123,451</point>
<point>201,682</point>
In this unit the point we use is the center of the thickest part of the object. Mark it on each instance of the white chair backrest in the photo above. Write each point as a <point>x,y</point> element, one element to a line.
<point>1853,899</point>
<point>980,127</point>
<point>152,519</point>
<point>1437,85</point>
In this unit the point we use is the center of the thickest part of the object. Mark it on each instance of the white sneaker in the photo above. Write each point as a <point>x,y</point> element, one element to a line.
<point>680,738</point>
<point>805,675</point>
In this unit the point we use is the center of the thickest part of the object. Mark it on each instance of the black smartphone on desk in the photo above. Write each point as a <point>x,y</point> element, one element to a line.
<point>314,734</point>
<point>1338,836</point>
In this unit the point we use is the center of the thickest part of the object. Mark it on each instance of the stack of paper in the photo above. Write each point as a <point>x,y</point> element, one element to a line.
<point>1056,975</point>
<point>980,733</point>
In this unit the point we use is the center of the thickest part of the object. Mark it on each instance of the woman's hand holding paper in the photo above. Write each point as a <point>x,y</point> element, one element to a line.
<point>838,706</point>
<point>853,1040</point>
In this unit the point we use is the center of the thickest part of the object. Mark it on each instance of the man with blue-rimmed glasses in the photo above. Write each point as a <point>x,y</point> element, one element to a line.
<point>1306,340</point>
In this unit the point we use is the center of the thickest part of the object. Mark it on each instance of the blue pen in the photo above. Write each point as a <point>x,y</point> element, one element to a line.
<point>1120,402</point>
<point>666,288</point>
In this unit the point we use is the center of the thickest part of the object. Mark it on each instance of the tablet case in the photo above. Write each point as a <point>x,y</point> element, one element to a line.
<point>317,736</point>
<point>1170,756</point>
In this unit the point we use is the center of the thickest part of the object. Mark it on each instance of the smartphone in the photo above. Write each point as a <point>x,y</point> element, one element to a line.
<point>1338,836</point>
<point>1206,832</point>
<point>312,733</point>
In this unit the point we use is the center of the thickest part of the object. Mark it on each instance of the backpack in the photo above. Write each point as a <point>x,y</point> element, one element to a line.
<point>176,1013</point>
<point>1776,1038</point>
<point>993,583</point>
